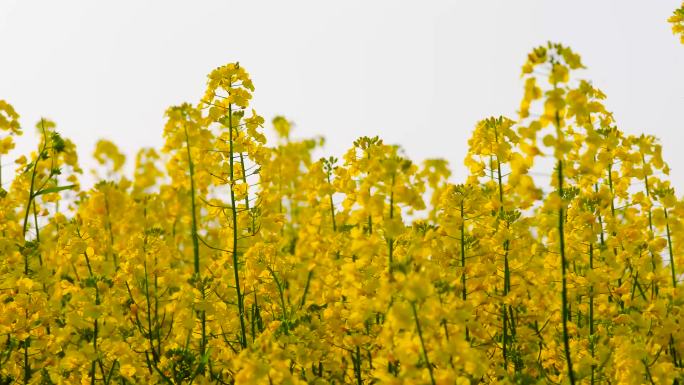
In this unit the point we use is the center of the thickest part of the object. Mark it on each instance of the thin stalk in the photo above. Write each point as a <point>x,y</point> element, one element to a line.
<point>279,286</point>
<point>591,314</point>
<point>674,277</point>
<point>27,365</point>
<point>561,234</point>
<point>564,295</point>
<point>244,180</point>
<point>158,325</point>
<point>35,225</point>
<point>35,221</point>
<point>30,200</point>
<point>669,246</point>
<point>306,288</point>
<point>150,336</point>
<point>356,361</point>
<point>27,342</point>
<point>108,225</point>
<point>95,323</point>
<point>463,262</point>
<point>238,290</point>
<point>507,272</point>
<point>332,207</point>
<point>650,220</point>
<point>612,213</point>
<point>195,238</point>
<point>390,240</point>
<point>370,218</point>
<point>422,343</point>
<point>32,187</point>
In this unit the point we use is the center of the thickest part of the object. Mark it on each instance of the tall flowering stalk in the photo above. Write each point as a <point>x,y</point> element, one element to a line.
<point>226,98</point>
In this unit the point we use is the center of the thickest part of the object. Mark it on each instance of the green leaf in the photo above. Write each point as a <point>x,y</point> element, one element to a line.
<point>54,189</point>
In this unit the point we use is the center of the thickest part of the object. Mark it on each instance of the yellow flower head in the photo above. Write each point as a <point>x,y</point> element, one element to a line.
<point>9,119</point>
<point>677,21</point>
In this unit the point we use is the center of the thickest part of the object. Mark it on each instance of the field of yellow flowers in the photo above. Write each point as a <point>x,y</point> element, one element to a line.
<point>225,260</point>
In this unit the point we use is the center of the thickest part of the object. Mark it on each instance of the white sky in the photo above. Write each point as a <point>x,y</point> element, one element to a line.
<point>418,73</point>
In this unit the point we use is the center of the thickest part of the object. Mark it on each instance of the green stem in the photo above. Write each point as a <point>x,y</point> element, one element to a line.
<point>150,335</point>
<point>95,324</point>
<point>306,288</point>
<point>591,313</point>
<point>650,220</point>
<point>422,342</point>
<point>614,219</point>
<point>564,294</point>
<point>561,234</point>
<point>27,342</point>
<point>463,262</point>
<point>244,180</point>
<point>669,246</point>
<point>27,365</point>
<point>357,365</point>
<point>238,290</point>
<point>332,207</point>
<point>674,275</point>
<point>35,221</point>
<point>30,200</point>
<point>108,225</point>
<point>507,273</point>
<point>195,240</point>
<point>390,240</point>
<point>279,286</point>
<point>32,187</point>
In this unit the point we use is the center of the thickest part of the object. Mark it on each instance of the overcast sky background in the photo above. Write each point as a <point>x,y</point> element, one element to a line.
<point>418,73</point>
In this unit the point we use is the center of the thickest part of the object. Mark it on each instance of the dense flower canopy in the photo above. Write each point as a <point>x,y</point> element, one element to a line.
<point>225,259</point>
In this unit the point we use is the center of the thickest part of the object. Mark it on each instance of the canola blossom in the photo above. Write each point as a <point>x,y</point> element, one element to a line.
<point>225,259</point>
<point>677,21</point>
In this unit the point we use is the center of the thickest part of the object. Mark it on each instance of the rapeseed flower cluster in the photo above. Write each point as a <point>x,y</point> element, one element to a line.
<point>229,260</point>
